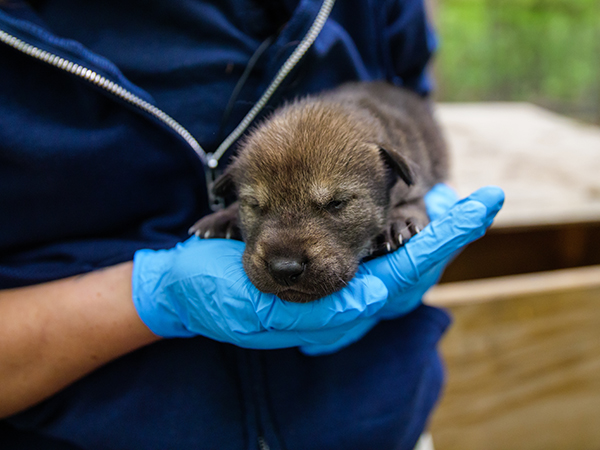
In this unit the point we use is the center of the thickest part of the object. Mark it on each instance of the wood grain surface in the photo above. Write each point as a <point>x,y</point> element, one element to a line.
<point>523,363</point>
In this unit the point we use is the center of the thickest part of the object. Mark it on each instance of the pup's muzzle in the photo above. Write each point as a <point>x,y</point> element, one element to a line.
<point>286,270</point>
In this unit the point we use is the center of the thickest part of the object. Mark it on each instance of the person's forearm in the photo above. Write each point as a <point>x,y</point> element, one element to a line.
<point>54,333</point>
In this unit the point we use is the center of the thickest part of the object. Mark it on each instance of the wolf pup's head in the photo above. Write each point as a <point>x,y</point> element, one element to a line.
<point>313,182</point>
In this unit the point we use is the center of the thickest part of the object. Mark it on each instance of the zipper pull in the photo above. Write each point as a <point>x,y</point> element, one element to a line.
<point>216,202</point>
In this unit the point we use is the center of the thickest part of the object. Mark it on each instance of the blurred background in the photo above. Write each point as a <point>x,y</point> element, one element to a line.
<point>518,91</point>
<point>542,51</point>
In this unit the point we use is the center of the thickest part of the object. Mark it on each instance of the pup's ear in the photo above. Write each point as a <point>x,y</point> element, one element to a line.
<point>399,165</point>
<point>223,186</point>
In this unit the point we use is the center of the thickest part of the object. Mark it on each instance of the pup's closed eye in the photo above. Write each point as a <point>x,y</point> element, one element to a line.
<point>252,203</point>
<point>336,205</point>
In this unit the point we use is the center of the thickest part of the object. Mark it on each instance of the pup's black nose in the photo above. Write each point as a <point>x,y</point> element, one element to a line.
<point>285,270</point>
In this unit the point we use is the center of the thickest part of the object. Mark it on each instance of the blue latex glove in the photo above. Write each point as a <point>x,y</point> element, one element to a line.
<point>410,271</point>
<point>199,287</point>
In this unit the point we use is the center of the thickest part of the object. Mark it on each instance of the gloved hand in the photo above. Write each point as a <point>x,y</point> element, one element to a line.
<point>199,287</point>
<point>411,270</point>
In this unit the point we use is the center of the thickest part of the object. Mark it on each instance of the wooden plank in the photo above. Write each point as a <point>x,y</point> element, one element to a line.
<point>523,363</point>
<point>516,286</point>
<point>547,164</point>
<point>504,251</point>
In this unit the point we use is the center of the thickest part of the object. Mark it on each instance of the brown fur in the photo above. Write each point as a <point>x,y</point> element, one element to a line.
<point>327,181</point>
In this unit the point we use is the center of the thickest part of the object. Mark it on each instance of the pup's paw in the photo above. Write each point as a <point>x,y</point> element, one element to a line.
<point>220,224</point>
<point>405,220</point>
<point>396,235</point>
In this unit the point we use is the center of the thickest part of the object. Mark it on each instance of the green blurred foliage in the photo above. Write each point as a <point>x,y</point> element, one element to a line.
<point>543,51</point>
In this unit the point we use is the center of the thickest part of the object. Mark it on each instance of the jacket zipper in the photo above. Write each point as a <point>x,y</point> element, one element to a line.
<point>262,444</point>
<point>104,83</point>
<point>284,71</point>
<point>211,159</point>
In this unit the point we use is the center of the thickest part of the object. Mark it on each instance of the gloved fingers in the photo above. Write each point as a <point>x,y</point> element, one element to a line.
<point>195,257</point>
<point>249,311</point>
<point>465,222</point>
<point>207,284</point>
<point>364,295</point>
<point>197,246</point>
<point>439,200</point>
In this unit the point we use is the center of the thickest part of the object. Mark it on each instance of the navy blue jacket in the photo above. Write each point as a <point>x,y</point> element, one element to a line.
<point>87,178</point>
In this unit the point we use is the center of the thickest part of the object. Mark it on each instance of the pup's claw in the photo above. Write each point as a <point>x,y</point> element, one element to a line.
<point>221,224</point>
<point>412,227</point>
<point>399,231</point>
